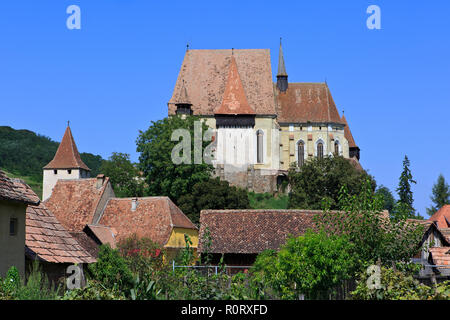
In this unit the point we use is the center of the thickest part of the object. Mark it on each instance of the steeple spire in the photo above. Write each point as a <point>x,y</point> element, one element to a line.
<point>282,77</point>
<point>67,156</point>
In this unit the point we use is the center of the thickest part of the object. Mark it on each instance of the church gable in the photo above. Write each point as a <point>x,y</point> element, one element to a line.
<point>205,74</point>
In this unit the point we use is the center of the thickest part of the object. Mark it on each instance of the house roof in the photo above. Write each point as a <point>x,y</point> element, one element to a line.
<point>67,156</point>
<point>307,102</point>
<point>74,202</point>
<point>205,74</point>
<point>86,242</point>
<point>234,101</point>
<point>252,231</point>
<point>104,234</point>
<point>440,256</point>
<point>16,190</point>
<point>348,134</point>
<point>446,233</point>
<point>47,240</point>
<point>154,218</point>
<point>442,217</point>
<point>355,163</point>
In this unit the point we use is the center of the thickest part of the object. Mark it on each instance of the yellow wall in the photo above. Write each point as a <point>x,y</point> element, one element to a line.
<point>12,248</point>
<point>289,140</point>
<point>176,239</point>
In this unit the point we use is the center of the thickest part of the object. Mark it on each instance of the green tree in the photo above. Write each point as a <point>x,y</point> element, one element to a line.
<point>405,203</point>
<point>321,179</point>
<point>111,269</point>
<point>388,198</point>
<point>212,194</point>
<point>375,236</point>
<point>312,264</point>
<point>124,175</point>
<point>162,175</point>
<point>441,195</point>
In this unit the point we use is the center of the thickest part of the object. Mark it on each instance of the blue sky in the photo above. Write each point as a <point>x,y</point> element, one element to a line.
<point>116,74</point>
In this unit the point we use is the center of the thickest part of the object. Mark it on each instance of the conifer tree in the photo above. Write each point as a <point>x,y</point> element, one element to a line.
<point>440,196</point>
<point>404,207</point>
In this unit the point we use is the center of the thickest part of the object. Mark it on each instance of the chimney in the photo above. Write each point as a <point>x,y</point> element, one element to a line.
<point>100,180</point>
<point>134,203</point>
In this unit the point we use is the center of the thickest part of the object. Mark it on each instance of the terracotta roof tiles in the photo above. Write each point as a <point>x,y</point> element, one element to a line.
<point>74,202</point>
<point>442,217</point>
<point>348,134</point>
<point>440,256</point>
<point>153,217</point>
<point>307,102</point>
<point>205,74</point>
<point>16,190</point>
<point>47,240</point>
<point>67,156</point>
<point>252,231</point>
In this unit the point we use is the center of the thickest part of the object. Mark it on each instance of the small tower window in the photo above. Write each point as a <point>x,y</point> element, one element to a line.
<point>301,153</point>
<point>55,171</point>
<point>320,150</point>
<point>184,109</point>
<point>13,226</point>
<point>259,146</point>
<point>69,171</point>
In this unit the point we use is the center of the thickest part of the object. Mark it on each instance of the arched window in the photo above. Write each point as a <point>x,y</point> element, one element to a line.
<point>320,150</point>
<point>300,153</point>
<point>336,148</point>
<point>259,146</point>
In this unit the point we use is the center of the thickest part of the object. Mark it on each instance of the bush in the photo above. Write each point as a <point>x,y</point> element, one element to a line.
<point>312,264</point>
<point>111,270</point>
<point>396,285</point>
<point>94,290</point>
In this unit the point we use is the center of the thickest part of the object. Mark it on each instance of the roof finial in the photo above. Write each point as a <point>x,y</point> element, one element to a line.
<point>68,123</point>
<point>187,46</point>
<point>232,51</point>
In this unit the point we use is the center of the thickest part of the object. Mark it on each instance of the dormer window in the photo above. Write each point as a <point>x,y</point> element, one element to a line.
<point>184,109</point>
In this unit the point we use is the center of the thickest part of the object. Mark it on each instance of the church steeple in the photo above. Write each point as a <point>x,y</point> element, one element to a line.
<point>66,164</point>
<point>282,77</point>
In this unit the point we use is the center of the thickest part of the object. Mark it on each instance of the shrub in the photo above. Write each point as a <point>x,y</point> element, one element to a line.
<point>94,290</point>
<point>111,270</point>
<point>396,285</point>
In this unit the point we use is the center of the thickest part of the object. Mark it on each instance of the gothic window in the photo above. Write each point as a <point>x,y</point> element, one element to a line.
<point>300,153</point>
<point>259,146</point>
<point>336,148</point>
<point>320,150</point>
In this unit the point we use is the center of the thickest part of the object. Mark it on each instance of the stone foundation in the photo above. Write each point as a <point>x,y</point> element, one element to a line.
<point>256,180</point>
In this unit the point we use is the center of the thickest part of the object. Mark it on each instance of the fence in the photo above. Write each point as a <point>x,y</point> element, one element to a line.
<point>230,270</point>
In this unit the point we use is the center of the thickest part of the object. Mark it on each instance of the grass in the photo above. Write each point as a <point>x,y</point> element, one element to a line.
<point>267,201</point>
<point>35,185</point>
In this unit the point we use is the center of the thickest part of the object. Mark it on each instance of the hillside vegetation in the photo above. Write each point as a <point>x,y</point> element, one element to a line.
<point>24,153</point>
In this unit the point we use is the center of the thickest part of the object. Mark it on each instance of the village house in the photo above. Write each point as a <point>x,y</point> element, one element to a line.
<point>15,196</point>
<point>240,235</point>
<point>88,209</point>
<point>261,127</point>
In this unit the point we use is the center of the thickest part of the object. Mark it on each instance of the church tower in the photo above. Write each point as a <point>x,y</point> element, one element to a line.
<point>282,77</point>
<point>66,164</point>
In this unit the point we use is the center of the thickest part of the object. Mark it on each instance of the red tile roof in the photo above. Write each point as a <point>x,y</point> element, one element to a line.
<point>47,240</point>
<point>74,202</point>
<point>252,231</point>
<point>86,242</point>
<point>446,233</point>
<point>355,163</point>
<point>104,234</point>
<point>442,217</point>
<point>67,156</point>
<point>154,218</point>
<point>16,190</point>
<point>307,102</point>
<point>440,256</point>
<point>348,134</point>
<point>234,101</point>
<point>205,74</point>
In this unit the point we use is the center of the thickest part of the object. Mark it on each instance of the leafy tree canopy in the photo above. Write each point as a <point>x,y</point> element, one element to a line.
<point>124,175</point>
<point>163,176</point>
<point>212,194</point>
<point>311,264</point>
<point>388,198</point>
<point>320,179</point>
